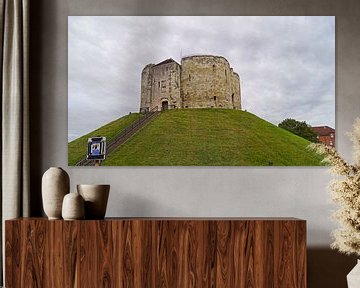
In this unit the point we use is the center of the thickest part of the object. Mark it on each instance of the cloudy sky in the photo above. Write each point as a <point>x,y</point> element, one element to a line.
<point>286,64</point>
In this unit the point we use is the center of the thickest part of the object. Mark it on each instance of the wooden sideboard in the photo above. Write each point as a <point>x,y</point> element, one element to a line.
<point>156,252</point>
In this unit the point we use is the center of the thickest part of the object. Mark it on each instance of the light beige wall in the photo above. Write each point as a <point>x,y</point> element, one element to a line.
<point>210,191</point>
<point>220,191</point>
<point>196,191</point>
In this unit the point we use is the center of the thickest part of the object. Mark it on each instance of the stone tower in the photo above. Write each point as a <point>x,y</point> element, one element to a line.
<point>201,81</point>
<point>160,86</point>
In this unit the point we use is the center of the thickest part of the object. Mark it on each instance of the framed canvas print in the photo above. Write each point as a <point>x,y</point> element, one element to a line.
<point>200,90</point>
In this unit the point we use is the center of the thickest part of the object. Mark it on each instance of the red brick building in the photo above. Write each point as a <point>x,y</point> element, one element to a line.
<point>325,134</point>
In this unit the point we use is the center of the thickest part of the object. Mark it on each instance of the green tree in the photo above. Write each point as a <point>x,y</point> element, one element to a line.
<point>301,129</point>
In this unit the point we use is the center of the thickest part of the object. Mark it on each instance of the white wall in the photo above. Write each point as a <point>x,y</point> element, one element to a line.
<point>141,191</point>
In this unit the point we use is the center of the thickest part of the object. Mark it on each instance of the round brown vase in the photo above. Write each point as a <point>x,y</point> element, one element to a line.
<point>73,207</point>
<point>96,198</point>
<point>55,185</point>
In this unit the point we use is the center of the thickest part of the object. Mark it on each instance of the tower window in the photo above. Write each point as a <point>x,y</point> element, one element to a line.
<point>163,86</point>
<point>214,98</point>
<point>159,84</point>
<point>214,67</point>
<point>189,77</point>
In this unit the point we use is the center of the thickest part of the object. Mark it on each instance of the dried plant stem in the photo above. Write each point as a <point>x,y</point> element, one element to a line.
<point>345,192</point>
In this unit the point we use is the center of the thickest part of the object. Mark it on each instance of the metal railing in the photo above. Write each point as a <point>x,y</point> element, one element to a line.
<point>131,130</point>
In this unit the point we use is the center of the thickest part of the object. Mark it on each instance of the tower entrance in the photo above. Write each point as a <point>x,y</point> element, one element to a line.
<point>164,105</point>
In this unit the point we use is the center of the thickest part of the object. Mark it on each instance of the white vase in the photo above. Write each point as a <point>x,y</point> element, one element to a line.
<point>55,185</point>
<point>95,197</point>
<point>73,207</point>
<point>353,278</point>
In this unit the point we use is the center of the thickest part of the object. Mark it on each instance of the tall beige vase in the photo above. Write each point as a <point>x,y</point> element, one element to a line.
<point>55,185</point>
<point>96,198</point>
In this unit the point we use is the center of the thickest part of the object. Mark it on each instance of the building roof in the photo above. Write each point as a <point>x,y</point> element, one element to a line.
<point>323,130</point>
<point>170,60</point>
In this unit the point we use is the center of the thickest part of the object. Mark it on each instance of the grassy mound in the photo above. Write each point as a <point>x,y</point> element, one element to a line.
<point>204,137</point>
<point>77,147</point>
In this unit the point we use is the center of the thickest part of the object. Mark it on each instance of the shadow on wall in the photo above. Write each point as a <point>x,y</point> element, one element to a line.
<point>328,268</point>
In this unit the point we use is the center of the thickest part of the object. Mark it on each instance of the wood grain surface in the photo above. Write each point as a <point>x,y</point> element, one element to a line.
<point>160,252</point>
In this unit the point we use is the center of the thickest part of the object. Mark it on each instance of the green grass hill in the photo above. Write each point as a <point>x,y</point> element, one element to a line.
<point>77,148</point>
<point>202,137</point>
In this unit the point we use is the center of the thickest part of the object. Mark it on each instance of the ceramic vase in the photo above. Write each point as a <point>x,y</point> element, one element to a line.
<point>55,185</point>
<point>353,278</point>
<point>73,207</point>
<point>96,198</point>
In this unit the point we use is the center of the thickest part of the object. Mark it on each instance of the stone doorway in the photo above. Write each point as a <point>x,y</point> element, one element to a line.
<point>164,105</point>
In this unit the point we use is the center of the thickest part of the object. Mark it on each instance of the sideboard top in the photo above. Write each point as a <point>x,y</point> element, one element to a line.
<point>174,219</point>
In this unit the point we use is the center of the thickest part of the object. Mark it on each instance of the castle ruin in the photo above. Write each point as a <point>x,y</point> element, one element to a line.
<point>201,81</point>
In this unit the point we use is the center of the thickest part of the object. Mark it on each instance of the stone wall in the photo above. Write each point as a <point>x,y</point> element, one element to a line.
<point>209,82</point>
<point>146,86</point>
<point>236,90</point>
<point>160,84</point>
<point>203,81</point>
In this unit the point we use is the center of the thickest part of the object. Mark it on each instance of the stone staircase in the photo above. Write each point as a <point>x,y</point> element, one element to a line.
<point>124,135</point>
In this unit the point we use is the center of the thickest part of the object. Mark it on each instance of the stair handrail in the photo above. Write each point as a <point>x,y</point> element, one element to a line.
<point>133,125</point>
<point>149,114</point>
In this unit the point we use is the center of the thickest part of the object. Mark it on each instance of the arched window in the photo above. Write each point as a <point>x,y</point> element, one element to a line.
<point>189,77</point>
<point>214,67</point>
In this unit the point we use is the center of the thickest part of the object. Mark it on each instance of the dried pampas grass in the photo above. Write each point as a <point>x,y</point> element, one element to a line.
<point>345,192</point>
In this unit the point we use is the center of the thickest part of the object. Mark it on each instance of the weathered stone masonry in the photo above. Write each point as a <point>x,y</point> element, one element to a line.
<point>202,81</point>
